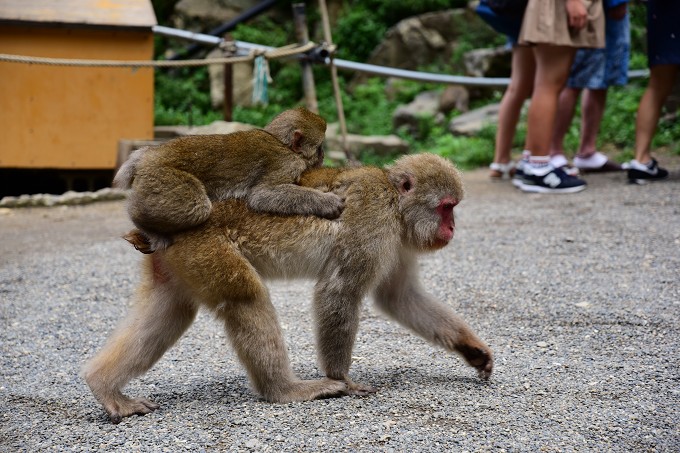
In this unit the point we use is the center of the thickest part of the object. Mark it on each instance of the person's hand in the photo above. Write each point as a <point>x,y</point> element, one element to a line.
<point>578,15</point>
<point>618,12</point>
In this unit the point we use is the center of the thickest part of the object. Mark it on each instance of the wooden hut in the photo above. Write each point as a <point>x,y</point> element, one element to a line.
<point>59,117</point>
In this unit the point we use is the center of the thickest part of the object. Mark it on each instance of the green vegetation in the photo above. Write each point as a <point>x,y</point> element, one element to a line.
<point>182,95</point>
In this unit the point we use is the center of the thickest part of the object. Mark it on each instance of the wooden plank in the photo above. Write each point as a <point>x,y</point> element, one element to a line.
<point>123,13</point>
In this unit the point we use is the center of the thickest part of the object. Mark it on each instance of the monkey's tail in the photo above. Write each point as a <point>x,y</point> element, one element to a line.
<point>126,172</point>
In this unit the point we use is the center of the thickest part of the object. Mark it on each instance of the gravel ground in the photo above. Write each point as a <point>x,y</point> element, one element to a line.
<point>578,296</point>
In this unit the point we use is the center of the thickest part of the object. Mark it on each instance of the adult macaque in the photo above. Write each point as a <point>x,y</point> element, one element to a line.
<point>390,216</point>
<point>174,184</point>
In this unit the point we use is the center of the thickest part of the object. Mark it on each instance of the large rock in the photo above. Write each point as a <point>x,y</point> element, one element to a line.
<point>430,104</point>
<point>472,122</point>
<point>220,127</point>
<point>494,62</point>
<point>426,38</point>
<point>216,127</point>
<point>409,116</point>
<point>383,145</point>
<point>454,97</point>
<point>205,14</point>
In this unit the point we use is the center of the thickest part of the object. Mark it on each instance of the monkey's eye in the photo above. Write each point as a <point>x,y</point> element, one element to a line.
<point>448,206</point>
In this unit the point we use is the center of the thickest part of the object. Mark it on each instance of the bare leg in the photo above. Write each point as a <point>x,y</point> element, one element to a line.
<point>592,111</point>
<point>552,70</point>
<point>402,298</point>
<point>161,314</point>
<point>520,88</point>
<point>565,114</point>
<point>661,79</point>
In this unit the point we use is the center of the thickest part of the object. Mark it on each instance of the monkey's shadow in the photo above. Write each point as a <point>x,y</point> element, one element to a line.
<point>406,378</point>
<point>235,390</point>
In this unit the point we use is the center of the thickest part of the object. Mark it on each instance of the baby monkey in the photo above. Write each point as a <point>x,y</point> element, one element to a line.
<point>174,184</point>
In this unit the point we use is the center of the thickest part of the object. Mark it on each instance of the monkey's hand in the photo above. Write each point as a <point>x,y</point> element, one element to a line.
<point>479,357</point>
<point>332,207</point>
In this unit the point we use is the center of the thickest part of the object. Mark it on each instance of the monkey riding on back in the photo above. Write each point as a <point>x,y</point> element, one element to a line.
<point>390,216</point>
<point>175,184</point>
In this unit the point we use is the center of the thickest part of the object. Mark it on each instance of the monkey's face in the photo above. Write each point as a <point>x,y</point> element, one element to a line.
<point>429,189</point>
<point>310,148</point>
<point>428,225</point>
<point>314,156</point>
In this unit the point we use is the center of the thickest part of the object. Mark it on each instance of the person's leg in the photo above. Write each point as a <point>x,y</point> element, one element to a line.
<point>552,70</point>
<point>661,79</point>
<point>565,114</point>
<point>592,111</point>
<point>520,88</point>
<point>660,85</point>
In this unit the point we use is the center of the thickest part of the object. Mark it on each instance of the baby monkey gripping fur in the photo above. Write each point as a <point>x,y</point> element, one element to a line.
<point>175,184</point>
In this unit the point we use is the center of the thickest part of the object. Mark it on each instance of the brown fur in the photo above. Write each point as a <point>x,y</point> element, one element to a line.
<point>390,216</point>
<point>174,184</point>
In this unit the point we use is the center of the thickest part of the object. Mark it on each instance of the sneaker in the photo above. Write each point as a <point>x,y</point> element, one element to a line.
<point>518,177</point>
<point>596,162</point>
<point>640,173</point>
<point>559,161</point>
<point>555,181</point>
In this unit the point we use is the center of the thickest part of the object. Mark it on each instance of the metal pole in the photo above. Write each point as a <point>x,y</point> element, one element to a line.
<point>227,27</point>
<point>302,35</point>
<point>228,103</point>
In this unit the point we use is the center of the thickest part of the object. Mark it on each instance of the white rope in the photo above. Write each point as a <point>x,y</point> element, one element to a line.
<point>270,53</point>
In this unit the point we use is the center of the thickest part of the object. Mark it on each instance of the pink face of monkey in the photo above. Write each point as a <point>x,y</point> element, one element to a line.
<point>447,224</point>
<point>429,189</point>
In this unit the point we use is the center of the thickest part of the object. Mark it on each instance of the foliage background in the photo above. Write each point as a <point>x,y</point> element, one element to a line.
<point>183,95</point>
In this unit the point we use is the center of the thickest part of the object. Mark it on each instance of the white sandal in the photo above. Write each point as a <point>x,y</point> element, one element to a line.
<point>501,171</point>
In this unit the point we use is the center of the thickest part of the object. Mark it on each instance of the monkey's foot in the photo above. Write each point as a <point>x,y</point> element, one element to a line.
<point>140,241</point>
<point>360,389</point>
<point>120,407</point>
<point>310,390</point>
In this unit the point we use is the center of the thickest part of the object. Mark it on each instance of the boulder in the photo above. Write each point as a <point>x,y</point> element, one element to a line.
<point>383,145</point>
<point>454,97</point>
<point>219,127</point>
<point>494,62</point>
<point>429,37</point>
<point>408,116</point>
<point>472,122</point>
<point>206,14</point>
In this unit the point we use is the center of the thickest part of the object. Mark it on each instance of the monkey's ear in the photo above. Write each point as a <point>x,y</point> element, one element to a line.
<point>296,143</point>
<point>403,182</point>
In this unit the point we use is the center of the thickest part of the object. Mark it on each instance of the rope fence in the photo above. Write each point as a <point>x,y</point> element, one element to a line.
<point>247,52</point>
<point>270,53</point>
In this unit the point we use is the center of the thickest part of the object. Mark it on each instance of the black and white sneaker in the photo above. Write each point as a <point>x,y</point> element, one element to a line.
<point>554,181</point>
<point>518,177</point>
<point>641,174</point>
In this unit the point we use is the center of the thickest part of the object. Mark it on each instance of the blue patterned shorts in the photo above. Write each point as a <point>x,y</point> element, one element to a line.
<point>598,69</point>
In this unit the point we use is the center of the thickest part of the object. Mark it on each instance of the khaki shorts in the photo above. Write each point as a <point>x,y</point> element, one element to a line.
<point>546,22</point>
